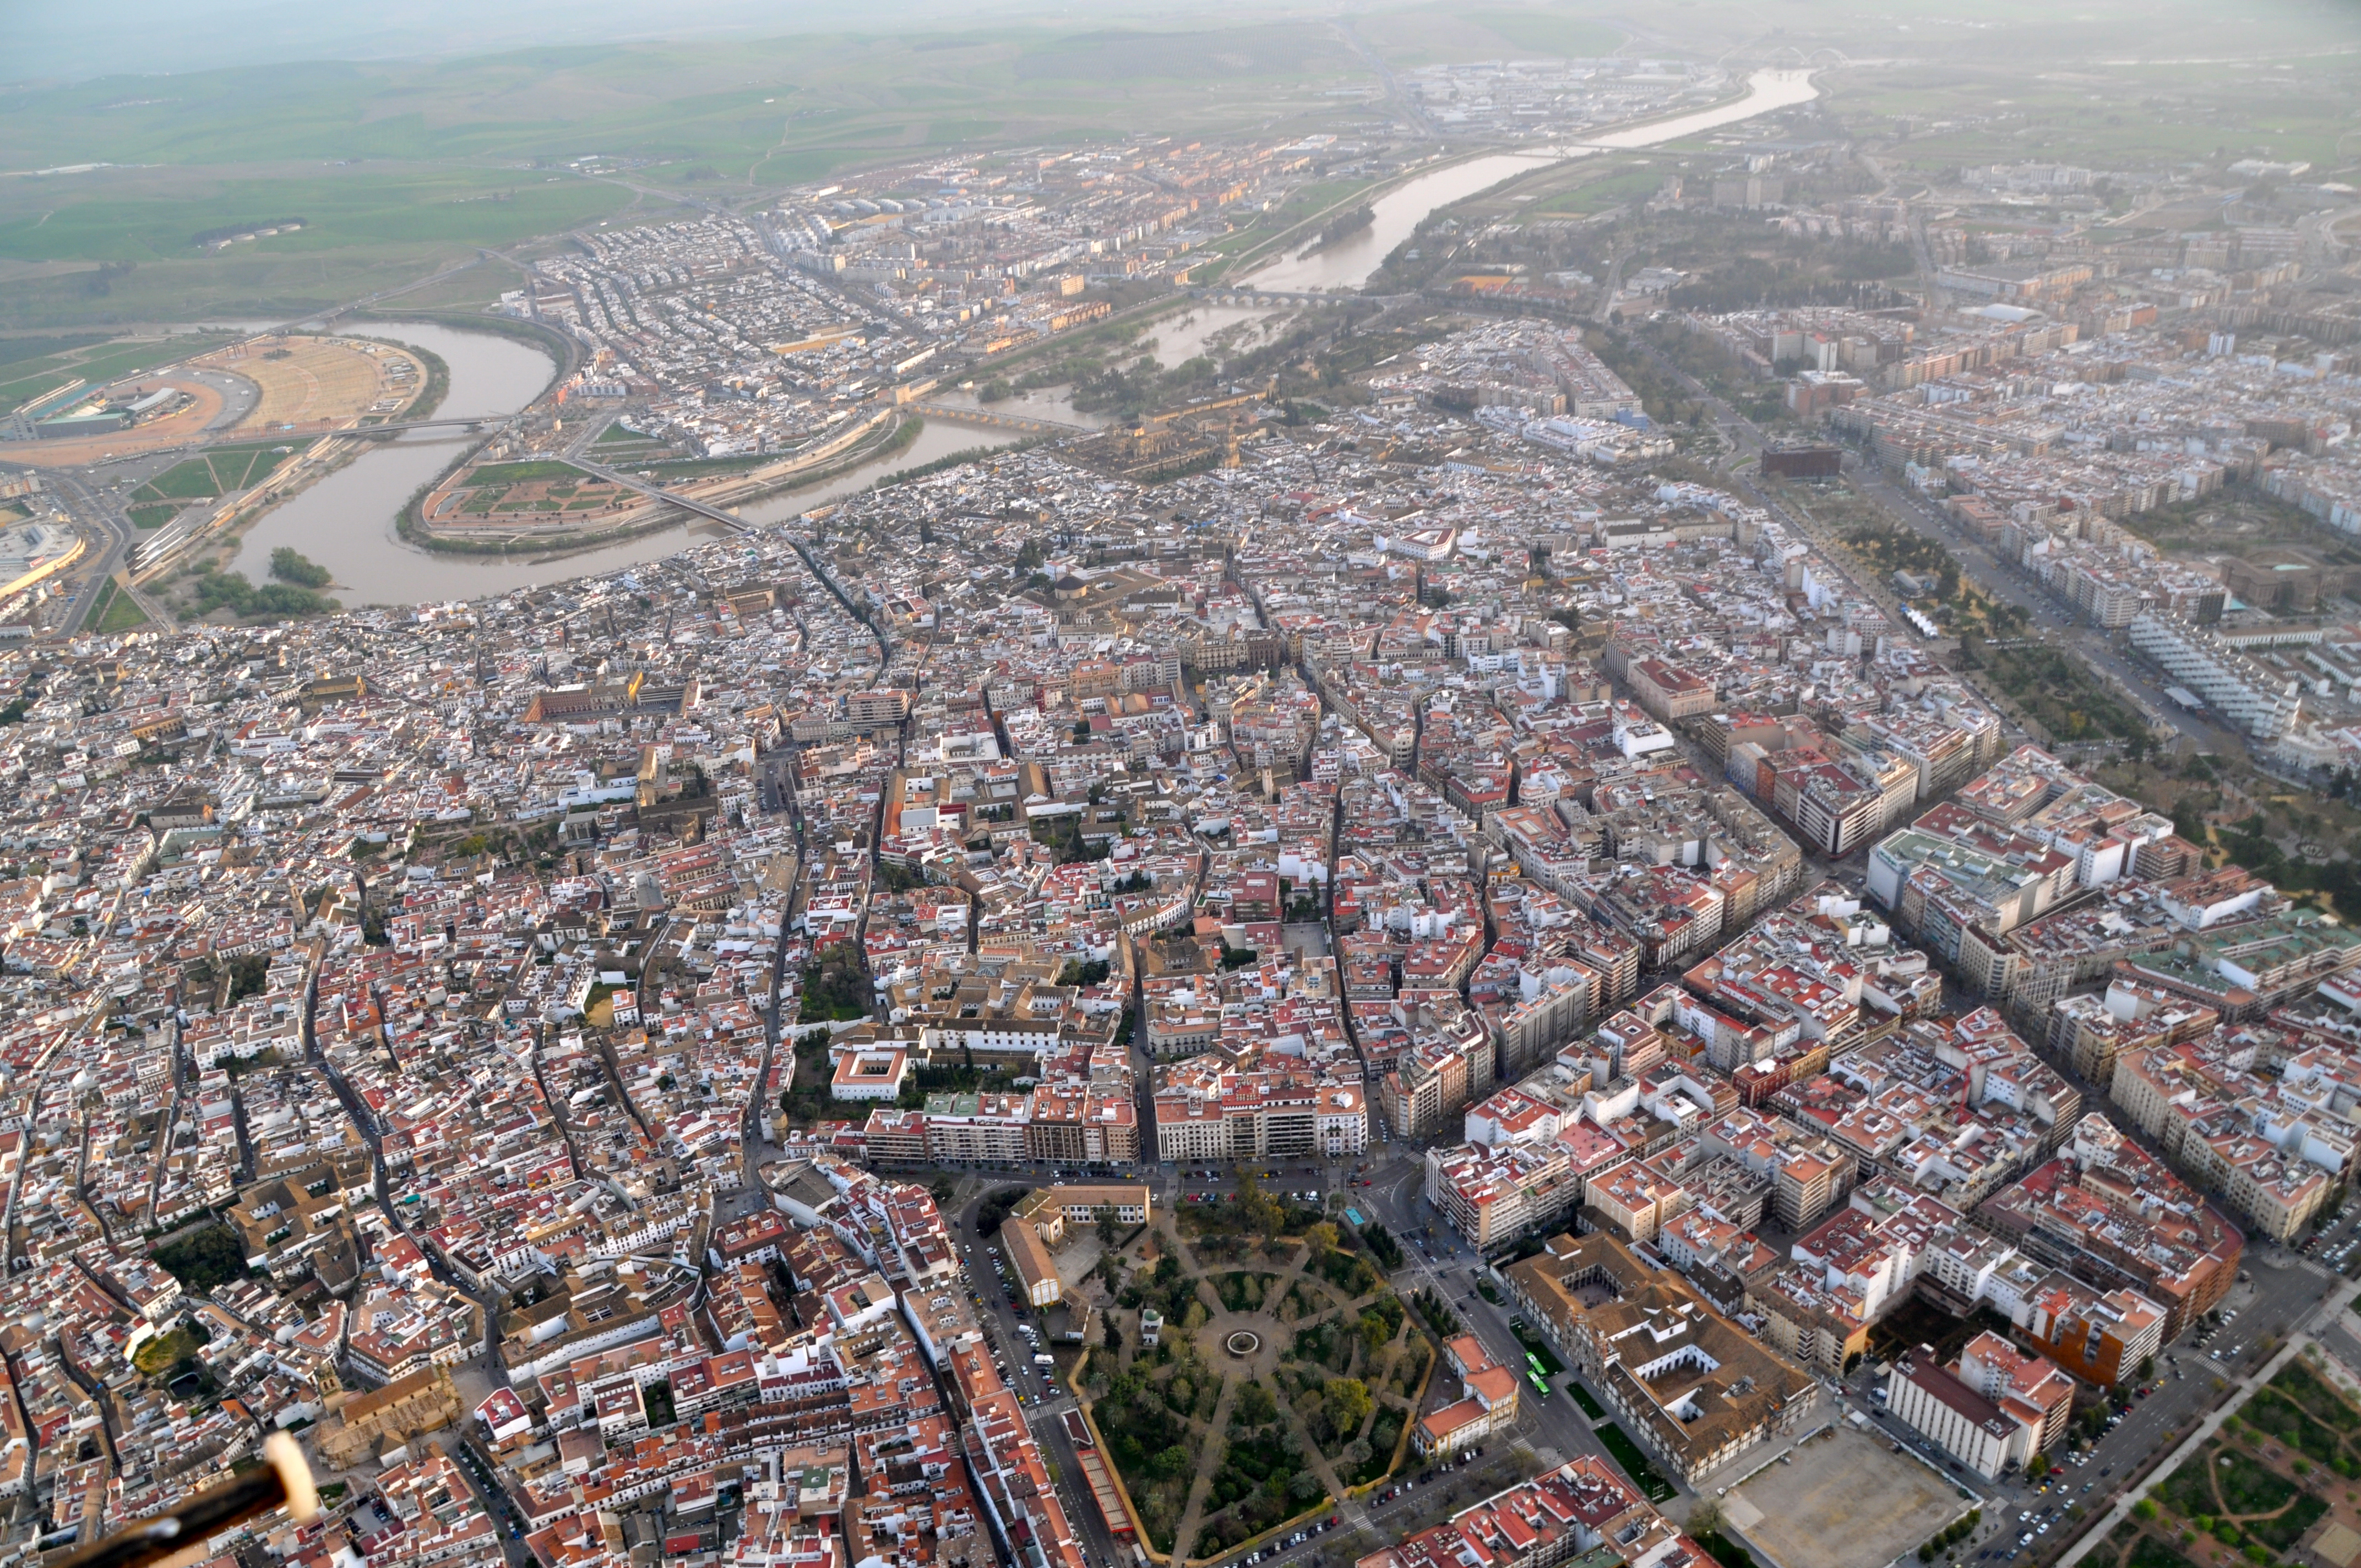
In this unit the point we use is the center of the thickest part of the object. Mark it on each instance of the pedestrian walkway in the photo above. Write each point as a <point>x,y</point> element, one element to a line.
<point>2329,1312</point>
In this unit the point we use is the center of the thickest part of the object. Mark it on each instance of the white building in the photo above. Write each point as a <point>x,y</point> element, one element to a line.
<point>2260,700</point>
<point>1963,1423</point>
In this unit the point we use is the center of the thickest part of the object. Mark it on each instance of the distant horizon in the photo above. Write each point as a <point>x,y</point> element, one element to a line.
<point>164,38</point>
<point>157,38</point>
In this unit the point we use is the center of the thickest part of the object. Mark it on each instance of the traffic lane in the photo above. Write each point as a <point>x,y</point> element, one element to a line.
<point>1074,1491</point>
<point>2184,1394</point>
<point>2006,581</point>
<point>1450,1273</point>
<point>997,1313</point>
<point>1399,1516</point>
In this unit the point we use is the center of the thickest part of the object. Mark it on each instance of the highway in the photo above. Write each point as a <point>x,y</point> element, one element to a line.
<point>98,515</point>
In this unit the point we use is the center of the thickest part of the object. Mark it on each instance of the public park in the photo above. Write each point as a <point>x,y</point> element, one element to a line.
<point>1285,1372</point>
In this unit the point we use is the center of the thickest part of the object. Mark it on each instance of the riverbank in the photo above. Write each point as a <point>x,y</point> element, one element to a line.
<point>1410,199</point>
<point>430,395</point>
<point>563,349</point>
<point>953,459</point>
<point>899,433</point>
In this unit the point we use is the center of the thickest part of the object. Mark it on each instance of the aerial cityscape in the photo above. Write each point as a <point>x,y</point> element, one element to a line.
<point>1331,787</point>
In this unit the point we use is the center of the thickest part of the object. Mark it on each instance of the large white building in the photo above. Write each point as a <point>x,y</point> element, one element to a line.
<point>1997,1407</point>
<point>1208,1109</point>
<point>2262,701</point>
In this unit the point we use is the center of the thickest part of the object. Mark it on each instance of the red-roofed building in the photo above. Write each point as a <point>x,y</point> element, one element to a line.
<point>1487,1402</point>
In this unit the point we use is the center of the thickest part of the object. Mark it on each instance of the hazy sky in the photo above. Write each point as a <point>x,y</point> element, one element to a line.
<point>49,41</point>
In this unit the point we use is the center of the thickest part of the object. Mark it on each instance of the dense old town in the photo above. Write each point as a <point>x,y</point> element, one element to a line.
<point>1543,914</point>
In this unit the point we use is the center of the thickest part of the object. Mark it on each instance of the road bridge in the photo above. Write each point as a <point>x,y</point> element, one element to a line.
<point>657,492</point>
<point>1025,422</point>
<point>314,429</point>
<point>1248,295</point>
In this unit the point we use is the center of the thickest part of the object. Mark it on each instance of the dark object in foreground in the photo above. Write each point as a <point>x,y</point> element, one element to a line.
<point>178,1535</point>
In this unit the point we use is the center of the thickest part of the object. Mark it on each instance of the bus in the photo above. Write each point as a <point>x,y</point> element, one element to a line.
<point>1540,1383</point>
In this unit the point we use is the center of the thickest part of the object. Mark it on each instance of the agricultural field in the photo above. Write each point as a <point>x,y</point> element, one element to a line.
<point>396,168</point>
<point>30,366</point>
<point>2122,115</point>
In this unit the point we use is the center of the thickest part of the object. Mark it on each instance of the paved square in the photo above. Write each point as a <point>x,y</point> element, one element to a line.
<point>1847,1501</point>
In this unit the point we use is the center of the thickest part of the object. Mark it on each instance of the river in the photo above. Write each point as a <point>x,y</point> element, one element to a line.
<point>345,521</point>
<point>1347,264</point>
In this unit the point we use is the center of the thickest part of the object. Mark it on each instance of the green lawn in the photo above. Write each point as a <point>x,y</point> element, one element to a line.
<point>1597,195</point>
<point>29,380</point>
<point>154,515</point>
<point>2283,1531</point>
<point>243,468</point>
<point>697,467</point>
<point>2153,1553</point>
<point>24,377</point>
<point>1635,1463</point>
<point>1539,1347</point>
<point>220,472</point>
<point>518,473</point>
<point>466,206</point>
<point>187,480</point>
<point>115,613</point>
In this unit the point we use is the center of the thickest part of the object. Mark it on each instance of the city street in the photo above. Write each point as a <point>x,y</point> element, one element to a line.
<point>2050,620</point>
<point>2283,1287</point>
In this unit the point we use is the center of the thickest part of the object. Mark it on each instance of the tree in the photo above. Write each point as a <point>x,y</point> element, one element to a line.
<point>1320,1238</point>
<point>1345,1403</point>
<point>291,566</point>
<point>2036,1467</point>
<point>1260,1211</point>
<point>1705,1516</point>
